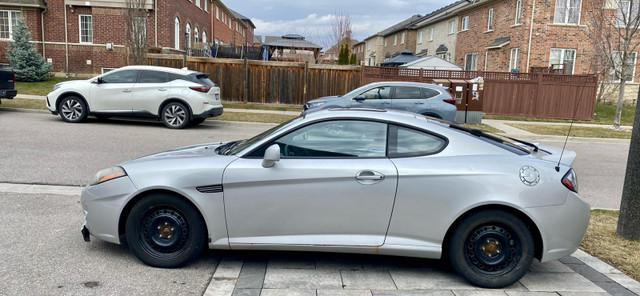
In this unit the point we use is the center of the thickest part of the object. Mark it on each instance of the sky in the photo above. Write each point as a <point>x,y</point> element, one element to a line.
<point>311,18</point>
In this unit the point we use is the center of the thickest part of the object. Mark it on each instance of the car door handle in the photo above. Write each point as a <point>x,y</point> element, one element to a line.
<point>126,91</point>
<point>419,103</point>
<point>369,176</point>
<point>162,89</point>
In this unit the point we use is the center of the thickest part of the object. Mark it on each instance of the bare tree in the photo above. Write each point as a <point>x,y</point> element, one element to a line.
<point>136,20</point>
<point>613,33</point>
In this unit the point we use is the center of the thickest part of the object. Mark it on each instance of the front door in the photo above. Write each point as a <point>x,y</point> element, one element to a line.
<point>377,97</point>
<point>113,94</point>
<point>332,186</point>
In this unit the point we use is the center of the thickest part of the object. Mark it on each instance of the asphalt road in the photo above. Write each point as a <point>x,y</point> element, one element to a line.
<point>43,251</point>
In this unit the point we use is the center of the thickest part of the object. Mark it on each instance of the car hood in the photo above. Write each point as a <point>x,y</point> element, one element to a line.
<point>184,167</point>
<point>324,99</point>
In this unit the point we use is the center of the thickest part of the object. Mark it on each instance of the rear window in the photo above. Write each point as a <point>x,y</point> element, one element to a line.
<point>502,142</point>
<point>204,80</point>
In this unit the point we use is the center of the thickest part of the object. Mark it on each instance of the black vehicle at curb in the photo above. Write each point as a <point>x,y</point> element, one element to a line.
<point>7,83</point>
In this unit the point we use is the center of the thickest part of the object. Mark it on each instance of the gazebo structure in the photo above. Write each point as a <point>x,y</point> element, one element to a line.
<point>293,48</point>
<point>402,58</point>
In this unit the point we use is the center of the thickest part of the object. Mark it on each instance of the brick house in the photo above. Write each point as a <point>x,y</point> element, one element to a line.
<point>78,36</point>
<point>436,32</point>
<point>384,44</point>
<point>359,49</point>
<point>515,35</point>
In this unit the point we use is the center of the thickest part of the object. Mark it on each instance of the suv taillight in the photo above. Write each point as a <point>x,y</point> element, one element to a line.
<point>570,180</point>
<point>14,78</point>
<point>204,89</point>
<point>452,100</point>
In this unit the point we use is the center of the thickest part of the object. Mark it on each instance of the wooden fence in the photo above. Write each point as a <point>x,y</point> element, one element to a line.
<point>544,95</point>
<point>269,82</point>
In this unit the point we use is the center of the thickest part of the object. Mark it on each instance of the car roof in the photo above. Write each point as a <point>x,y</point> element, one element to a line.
<point>403,83</point>
<point>363,112</point>
<point>183,71</point>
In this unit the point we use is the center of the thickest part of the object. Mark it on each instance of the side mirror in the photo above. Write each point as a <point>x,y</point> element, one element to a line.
<point>99,80</point>
<point>360,98</point>
<point>271,156</point>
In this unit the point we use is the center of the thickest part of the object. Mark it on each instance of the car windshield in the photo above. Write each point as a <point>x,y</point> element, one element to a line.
<point>234,147</point>
<point>356,91</point>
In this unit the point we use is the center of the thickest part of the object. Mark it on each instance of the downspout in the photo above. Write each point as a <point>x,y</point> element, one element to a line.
<point>66,43</point>
<point>42,31</point>
<point>486,56</point>
<point>533,12</point>
<point>155,12</point>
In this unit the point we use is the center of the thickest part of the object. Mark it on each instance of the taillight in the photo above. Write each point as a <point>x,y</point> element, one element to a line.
<point>14,78</point>
<point>570,180</point>
<point>452,100</point>
<point>204,89</point>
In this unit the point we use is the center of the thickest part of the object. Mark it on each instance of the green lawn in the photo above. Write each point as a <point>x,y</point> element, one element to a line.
<point>603,114</point>
<point>576,131</point>
<point>41,88</point>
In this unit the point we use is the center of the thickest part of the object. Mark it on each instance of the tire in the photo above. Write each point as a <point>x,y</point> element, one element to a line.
<point>477,251</point>
<point>73,109</point>
<point>165,231</point>
<point>197,121</point>
<point>175,115</point>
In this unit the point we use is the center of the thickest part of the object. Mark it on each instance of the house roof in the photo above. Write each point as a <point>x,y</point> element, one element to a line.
<point>293,41</point>
<point>242,17</point>
<point>433,16</point>
<point>442,49</point>
<point>431,62</point>
<point>499,43</point>
<point>404,57</point>
<point>24,3</point>
<point>405,24</point>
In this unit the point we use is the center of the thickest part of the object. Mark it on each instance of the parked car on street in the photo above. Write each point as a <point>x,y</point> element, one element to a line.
<point>178,97</point>
<point>422,98</point>
<point>7,83</point>
<point>353,180</point>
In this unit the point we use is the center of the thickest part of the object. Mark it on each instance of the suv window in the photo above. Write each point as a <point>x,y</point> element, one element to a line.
<point>204,80</point>
<point>379,93</point>
<point>125,76</point>
<point>407,93</point>
<point>429,93</point>
<point>404,142</point>
<point>337,138</point>
<point>147,76</point>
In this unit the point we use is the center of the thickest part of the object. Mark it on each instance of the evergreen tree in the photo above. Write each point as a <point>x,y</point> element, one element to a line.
<point>343,55</point>
<point>25,60</point>
<point>353,60</point>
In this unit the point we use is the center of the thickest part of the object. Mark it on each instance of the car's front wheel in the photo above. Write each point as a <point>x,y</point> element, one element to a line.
<point>491,249</point>
<point>73,109</point>
<point>165,231</point>
<point>175,115</point>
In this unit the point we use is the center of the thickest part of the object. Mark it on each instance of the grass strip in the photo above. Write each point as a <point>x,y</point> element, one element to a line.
<point>576,131</point>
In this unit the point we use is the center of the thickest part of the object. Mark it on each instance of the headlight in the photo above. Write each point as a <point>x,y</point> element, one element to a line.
<point>314,104</point>
<point>108,174</point>
<point>56,86</point>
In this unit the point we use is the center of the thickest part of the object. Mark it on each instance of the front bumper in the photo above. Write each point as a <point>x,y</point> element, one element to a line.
<point>216,111</point>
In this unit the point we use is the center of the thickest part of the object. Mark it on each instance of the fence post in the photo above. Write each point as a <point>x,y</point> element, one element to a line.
<point>305,95</point>
<point>535,101</point>
<point>420,73</point>
<point>245,68</point>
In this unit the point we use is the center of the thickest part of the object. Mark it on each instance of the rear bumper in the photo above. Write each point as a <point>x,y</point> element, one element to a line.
<point>216,111</point>
<point>8,93</point>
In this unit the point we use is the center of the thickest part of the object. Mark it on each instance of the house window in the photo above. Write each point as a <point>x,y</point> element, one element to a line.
<point>518,11</point>
<point>616,72</point>
<point>395,40</point>
<point>402,38</point>
<point>626,14</point>
<point>430,34</point>
<point>8,20</point>
<point>419,36</point>
<point>452,27</point>
<point>204,37</point>
<point>198,3</point>
<point>471,62</point>
<point>188,30</point>
<point>567,12</point>
<point>86,29</point>
<point>490,20</point>
<point>229,22</point>
<point>206,6</point>
<point>176,34</point>
<point>561,58</point>
<point>384,41</point>
<point>195,34</point>
<point>217,13</point>
<point>465,23</point>
<point>513,61</point>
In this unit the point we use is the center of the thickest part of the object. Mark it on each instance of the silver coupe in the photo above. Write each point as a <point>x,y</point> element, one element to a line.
<point>357,180</point>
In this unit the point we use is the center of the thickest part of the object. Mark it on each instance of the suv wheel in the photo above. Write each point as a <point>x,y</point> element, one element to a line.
<point>175,115</point>
<point>73,109</point>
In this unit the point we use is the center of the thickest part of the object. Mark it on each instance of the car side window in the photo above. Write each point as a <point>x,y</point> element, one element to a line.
<point>428,93</point>
<point>405,142</point>
<point>147,76</point>
<point>407,93</point>
<point>125,76</point>
<point>336,138</point>
<point>378,93</point>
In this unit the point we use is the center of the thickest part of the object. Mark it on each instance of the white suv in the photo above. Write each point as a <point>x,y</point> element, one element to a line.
<point>178,97</point>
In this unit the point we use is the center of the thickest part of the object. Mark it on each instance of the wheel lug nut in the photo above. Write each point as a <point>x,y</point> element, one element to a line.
<point>159,227</point>
<point>166,223</point>
<point>168,236</point>
<point>173,228</point>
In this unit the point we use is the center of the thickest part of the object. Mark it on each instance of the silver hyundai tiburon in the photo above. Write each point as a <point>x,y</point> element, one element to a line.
<point>367,181</point>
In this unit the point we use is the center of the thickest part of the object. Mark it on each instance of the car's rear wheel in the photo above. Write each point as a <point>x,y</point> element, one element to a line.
<point>165,231</point>
<point>491,249</point>
<point>175,115</point>
<point>73,109</point>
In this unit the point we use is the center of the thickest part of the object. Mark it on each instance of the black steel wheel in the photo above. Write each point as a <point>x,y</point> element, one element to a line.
<point>165,231</point>
<point>491,249</point>
<point>175,115</point>
<point>73,109</point>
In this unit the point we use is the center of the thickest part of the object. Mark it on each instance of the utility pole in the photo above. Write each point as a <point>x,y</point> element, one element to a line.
<point>629,219</point>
